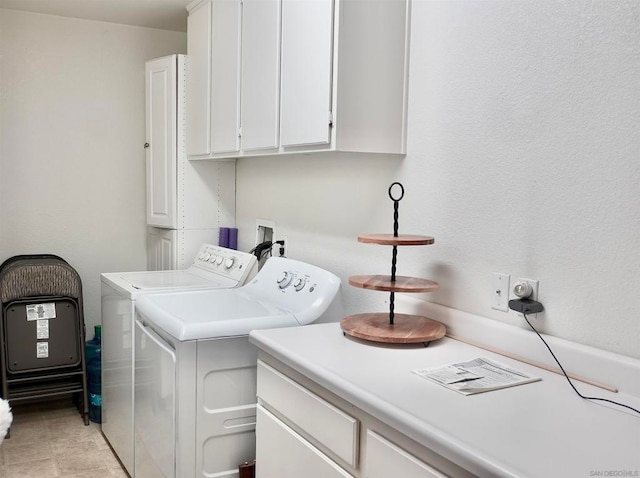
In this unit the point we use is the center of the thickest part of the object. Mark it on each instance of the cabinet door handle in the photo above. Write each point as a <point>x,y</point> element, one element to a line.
<point>146,145</point>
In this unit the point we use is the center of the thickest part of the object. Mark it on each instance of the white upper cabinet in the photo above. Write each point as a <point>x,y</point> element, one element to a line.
<point>260,74</point>
<point>225,74</point>
<point>213,91</point>
<point>199,80</point>
<point>161,147</point>
<point>307,34</point>
<point>288,76</point>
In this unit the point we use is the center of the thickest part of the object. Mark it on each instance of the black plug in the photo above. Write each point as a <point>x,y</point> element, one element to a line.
<point>281,247</point>
<point>525,306</point>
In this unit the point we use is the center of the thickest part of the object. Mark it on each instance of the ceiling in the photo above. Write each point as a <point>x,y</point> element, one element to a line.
<point>162,14</point>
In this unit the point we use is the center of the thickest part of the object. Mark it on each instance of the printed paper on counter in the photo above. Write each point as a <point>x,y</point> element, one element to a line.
<point>476,376</point>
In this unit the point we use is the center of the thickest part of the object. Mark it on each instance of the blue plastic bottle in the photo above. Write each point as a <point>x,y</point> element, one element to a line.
<point>93,356</point>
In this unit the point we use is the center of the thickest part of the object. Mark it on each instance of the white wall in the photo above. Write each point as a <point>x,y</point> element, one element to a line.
<point>523,158</point>
<point>71,137</point>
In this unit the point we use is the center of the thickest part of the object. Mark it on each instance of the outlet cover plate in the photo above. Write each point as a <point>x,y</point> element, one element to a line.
<point>500,291</point>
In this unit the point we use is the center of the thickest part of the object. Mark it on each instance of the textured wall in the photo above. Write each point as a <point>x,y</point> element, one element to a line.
<point>71,136</point>
<point>523,158</point>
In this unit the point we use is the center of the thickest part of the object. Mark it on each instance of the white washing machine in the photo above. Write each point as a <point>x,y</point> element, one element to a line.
<point>213,268</point>
<point>195,371</point>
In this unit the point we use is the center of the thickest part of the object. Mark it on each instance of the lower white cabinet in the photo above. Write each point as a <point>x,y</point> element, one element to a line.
<point>303,430</point>
<point>282,453</point>
<point>385,459</point>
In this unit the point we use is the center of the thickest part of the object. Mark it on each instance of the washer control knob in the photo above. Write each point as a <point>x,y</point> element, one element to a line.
<point>299,284</point>
<point>284,280</point>
<point>212,259</point>
<point>219,260</point>
<point>206,256</point>
<point>228,264</point>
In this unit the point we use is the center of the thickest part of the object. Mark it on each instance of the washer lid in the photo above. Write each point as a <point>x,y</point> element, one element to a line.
<point>207,314</point>
<point>180,279</point>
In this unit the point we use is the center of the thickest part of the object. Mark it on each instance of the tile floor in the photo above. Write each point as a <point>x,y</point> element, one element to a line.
<point>50,440</point>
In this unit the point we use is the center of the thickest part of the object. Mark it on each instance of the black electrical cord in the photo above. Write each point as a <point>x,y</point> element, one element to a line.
<point>567,377</point>
<point>264,249</point>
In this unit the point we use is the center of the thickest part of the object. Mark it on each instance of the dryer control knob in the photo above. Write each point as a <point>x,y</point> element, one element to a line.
<point>229,263</point>
<point>219,260</point>
<point>284,280</point>
<point>299,284</point>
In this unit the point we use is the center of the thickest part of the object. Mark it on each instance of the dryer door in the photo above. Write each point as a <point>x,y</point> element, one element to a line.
<point>155,405</point>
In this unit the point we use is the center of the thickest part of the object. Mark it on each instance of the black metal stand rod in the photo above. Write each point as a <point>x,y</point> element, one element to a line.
<point>394,257</point>
<point>391,307</point>
<point>395,218</point>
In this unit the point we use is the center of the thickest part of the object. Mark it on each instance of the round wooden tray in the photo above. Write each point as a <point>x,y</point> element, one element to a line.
<point>401,240</point>
<point>407,329</point>
<point>401,284</point>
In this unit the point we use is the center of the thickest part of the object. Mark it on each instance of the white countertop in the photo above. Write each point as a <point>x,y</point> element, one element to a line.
<point>541,429</point>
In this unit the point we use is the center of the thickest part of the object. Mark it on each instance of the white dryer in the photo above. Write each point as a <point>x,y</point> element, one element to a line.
<point>213,268</point>
<point>195,372</point>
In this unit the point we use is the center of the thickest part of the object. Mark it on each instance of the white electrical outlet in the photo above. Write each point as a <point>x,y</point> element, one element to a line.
<point>532,285</point>
<point>500,291</point>
<point>286,246</point>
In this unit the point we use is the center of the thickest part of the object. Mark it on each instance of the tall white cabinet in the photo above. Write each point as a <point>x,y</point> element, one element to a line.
<point>187,202</point>
<point>289,76</point>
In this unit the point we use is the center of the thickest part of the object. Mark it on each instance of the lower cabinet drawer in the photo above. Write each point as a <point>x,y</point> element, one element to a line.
<point>282,453</point>
<point>323,422</point>
<point>385,459</point>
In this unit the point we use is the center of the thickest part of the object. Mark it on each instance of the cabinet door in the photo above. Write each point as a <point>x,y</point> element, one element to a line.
<point>260,73</point>
<point>161,133</point>
<point>161,249</point>
<point>225,76</point>
<point>384,459</point>
<point>300,458</point>
<point>199,80</point>
<point>307,34</point>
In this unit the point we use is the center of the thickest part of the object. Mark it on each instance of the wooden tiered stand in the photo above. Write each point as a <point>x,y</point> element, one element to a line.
<point>392,327</point>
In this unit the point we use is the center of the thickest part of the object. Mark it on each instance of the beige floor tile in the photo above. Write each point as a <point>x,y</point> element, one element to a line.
<point>72,428</point>
<point>118,472</point>
<point>97,473</point>
<point>33,469</point>
<point>51,440</point>
<point>108,459</point>
<point>25,452</point>
<point>101,442</point>
<point>31,431</point>
<point>22,415</point>
<point>72,446</point>
<point>73,463</point>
